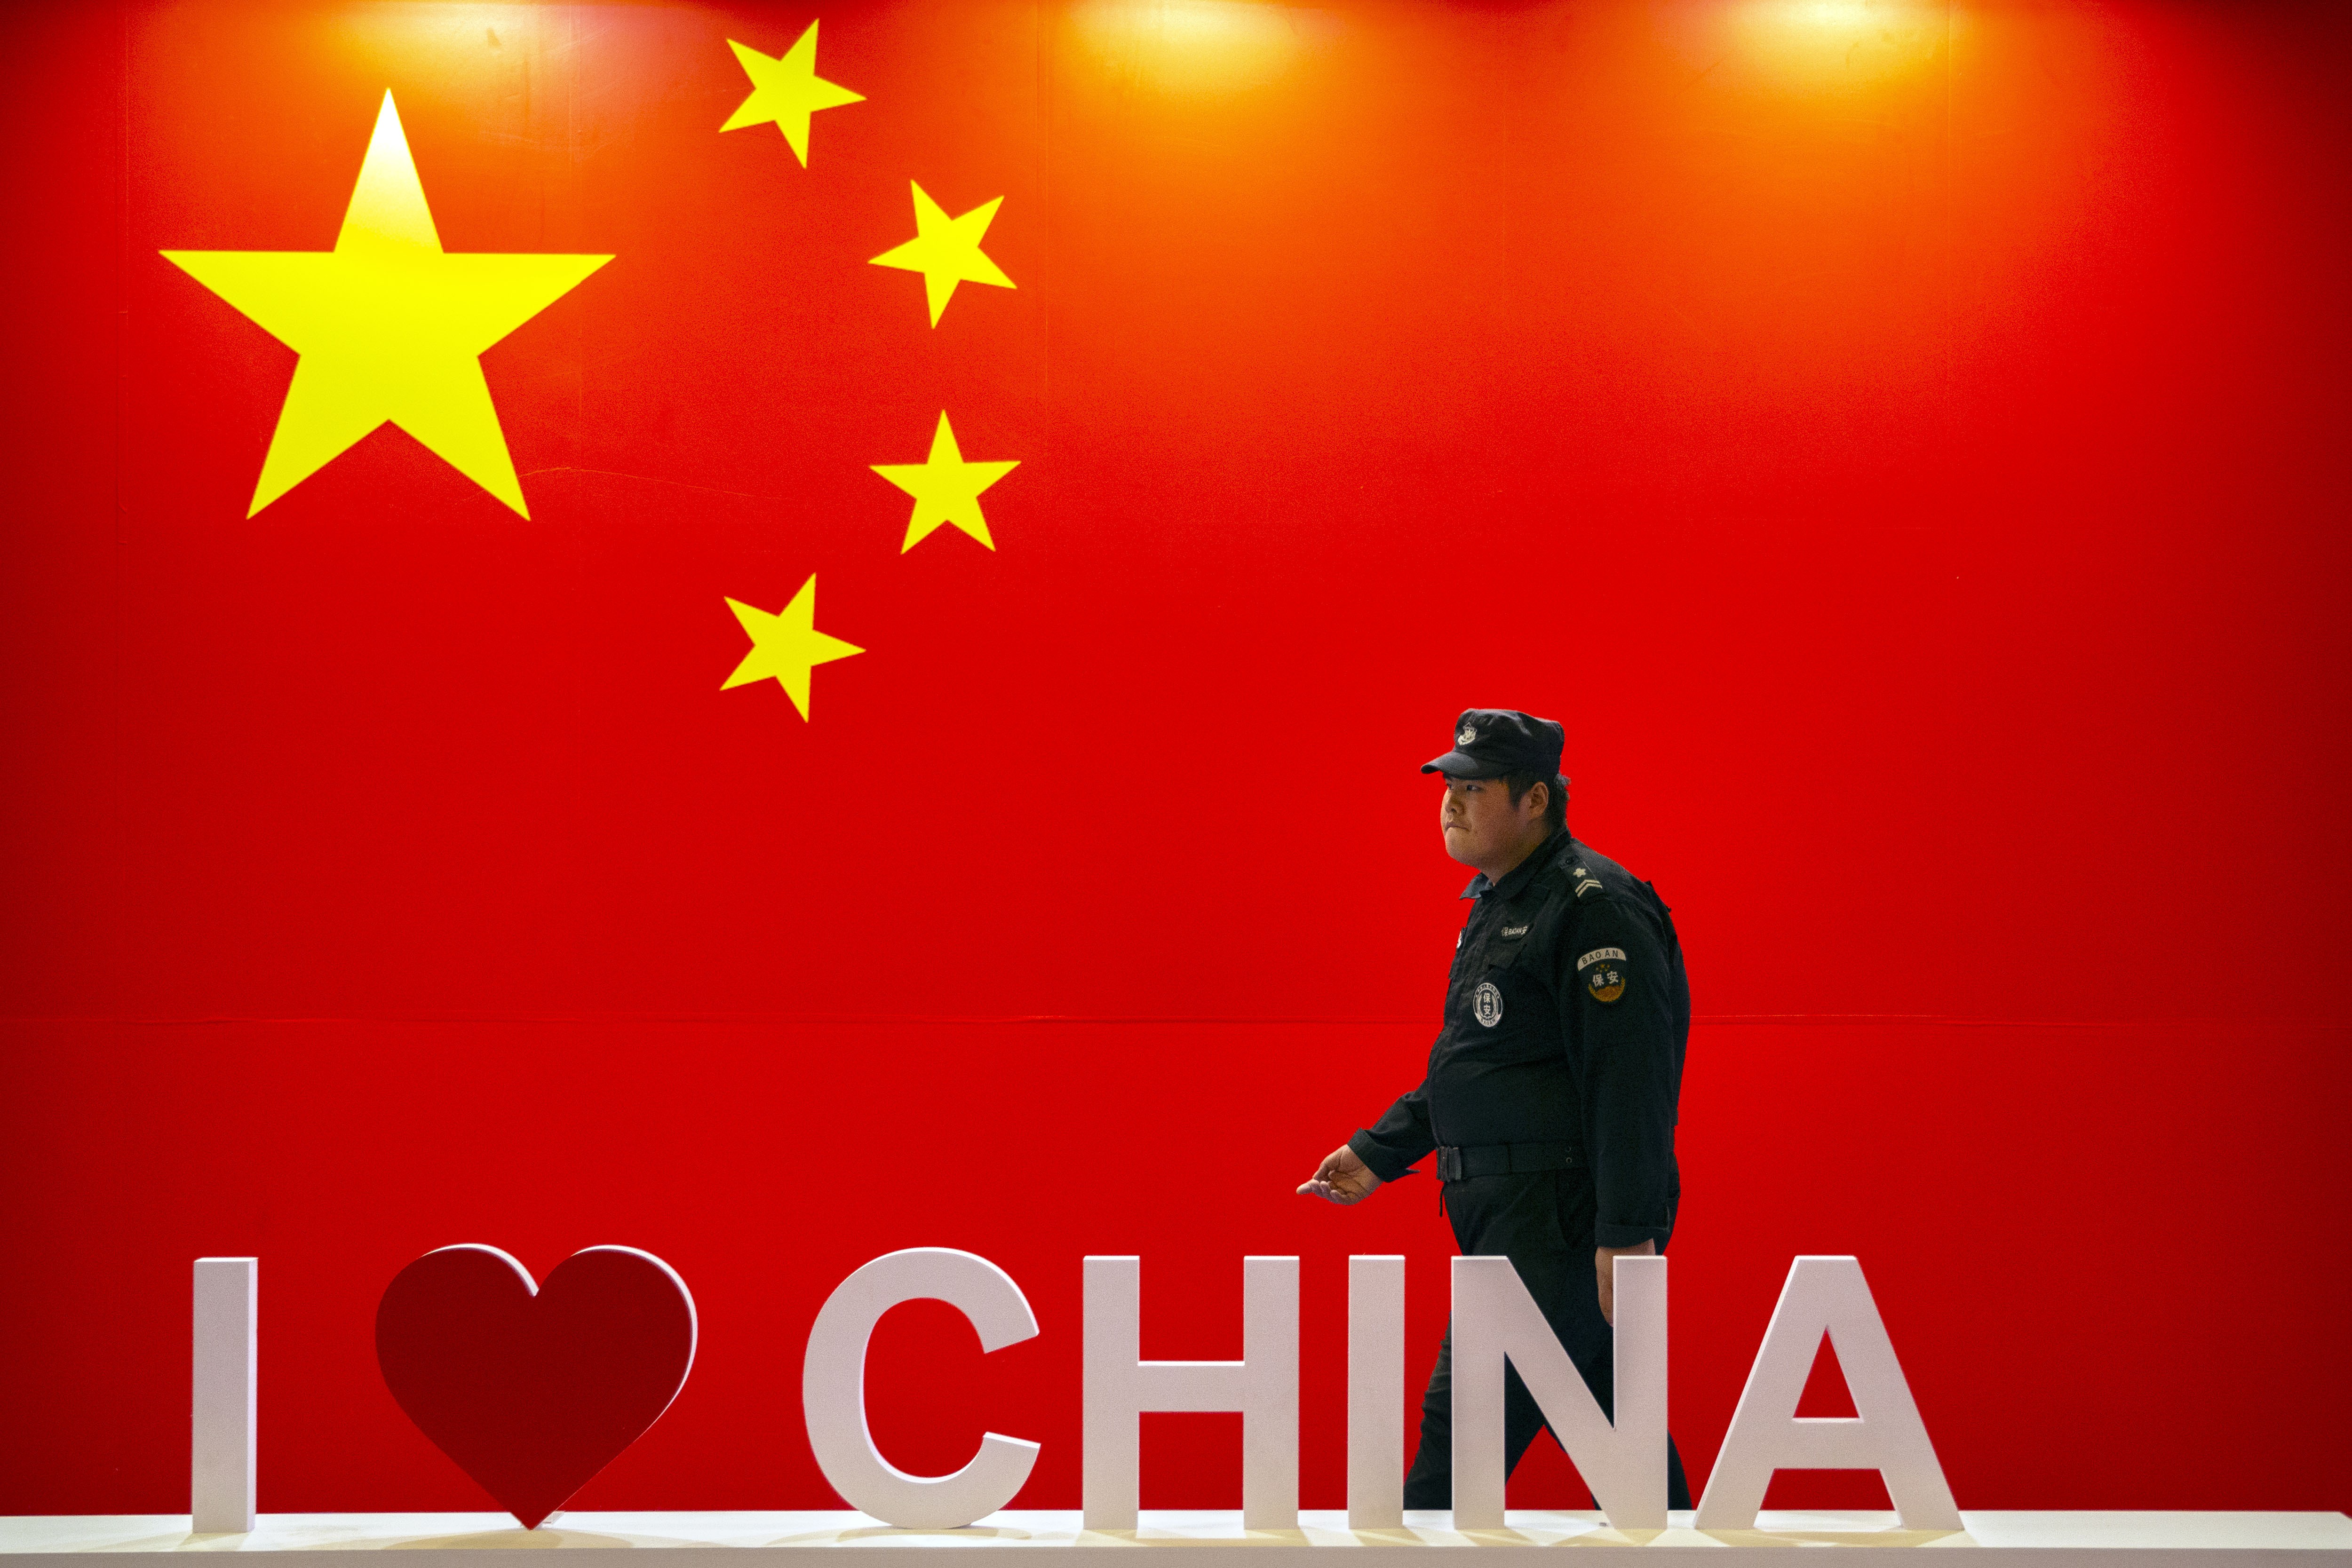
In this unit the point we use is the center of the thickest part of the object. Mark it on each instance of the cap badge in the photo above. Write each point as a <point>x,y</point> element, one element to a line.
<point>1468,736</point>
<point>1488,1003</point>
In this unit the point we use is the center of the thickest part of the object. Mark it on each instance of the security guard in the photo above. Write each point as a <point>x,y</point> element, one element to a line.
<point>1549,1100</point>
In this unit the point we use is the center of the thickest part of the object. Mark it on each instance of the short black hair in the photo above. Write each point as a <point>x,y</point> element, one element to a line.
<point>1555,797</point>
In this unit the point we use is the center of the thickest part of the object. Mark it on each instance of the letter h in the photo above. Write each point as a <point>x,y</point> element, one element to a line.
<point>1120,1386</point>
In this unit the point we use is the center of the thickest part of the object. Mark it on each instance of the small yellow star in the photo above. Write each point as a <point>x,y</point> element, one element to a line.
<point>389,327</point>
<point>946,488</point>
<point>946,251</point>
<point>786,91</point>
<point>786,646</point>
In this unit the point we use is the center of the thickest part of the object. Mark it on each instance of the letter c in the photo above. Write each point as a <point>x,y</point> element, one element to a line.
<point>833,1388</point>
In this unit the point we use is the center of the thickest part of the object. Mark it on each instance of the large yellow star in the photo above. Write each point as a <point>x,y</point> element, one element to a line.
<point>786,646</point>
<point>946,488</point>
<point>786,91</point>
<point>946,251</point>
<point>390,327</point>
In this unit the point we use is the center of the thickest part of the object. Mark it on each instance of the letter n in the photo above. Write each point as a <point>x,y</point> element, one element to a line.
<point>1496,1321</point>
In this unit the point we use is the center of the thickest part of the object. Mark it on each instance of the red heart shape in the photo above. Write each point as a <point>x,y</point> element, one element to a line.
<point>533,1389</point>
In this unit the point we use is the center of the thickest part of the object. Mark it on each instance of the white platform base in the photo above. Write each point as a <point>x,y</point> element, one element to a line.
<point>452,1540</point>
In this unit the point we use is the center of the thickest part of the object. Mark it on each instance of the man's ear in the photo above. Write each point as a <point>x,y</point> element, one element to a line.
<point>1536,805</point>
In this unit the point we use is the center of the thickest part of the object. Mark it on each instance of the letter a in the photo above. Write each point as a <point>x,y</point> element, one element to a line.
<point>1826,1295</point>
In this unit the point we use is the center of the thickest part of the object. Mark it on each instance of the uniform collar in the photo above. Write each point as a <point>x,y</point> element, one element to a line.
<point>1515,881</point>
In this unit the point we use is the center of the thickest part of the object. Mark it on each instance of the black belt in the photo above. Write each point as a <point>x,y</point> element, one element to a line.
<point>1503,1159</point>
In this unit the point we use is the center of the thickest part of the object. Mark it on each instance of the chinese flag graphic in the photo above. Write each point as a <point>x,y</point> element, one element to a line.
<point>769,634</point>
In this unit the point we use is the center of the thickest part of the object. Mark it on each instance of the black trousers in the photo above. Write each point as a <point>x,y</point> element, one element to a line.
<point>1543,1223</point>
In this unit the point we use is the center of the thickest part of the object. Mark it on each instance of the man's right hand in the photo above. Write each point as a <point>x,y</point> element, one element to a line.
<point>1341,1177</point>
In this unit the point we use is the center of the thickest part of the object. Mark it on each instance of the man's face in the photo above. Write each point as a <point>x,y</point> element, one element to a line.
<point>1482,827</point>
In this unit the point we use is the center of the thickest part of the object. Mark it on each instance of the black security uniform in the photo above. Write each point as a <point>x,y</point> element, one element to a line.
<point>1550,1095</point>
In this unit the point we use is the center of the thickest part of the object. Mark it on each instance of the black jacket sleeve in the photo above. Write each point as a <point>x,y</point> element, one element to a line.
<point>1621,997</point>
<point>1398,1138</point>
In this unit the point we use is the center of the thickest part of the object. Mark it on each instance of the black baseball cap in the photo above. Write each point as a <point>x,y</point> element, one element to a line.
<point>1489,742</point>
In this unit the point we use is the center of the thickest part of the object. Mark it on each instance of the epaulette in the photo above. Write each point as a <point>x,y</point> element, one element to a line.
<point>1584,884</point>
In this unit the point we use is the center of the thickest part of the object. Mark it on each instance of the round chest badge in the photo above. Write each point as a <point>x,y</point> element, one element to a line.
<point>1488,1003</point>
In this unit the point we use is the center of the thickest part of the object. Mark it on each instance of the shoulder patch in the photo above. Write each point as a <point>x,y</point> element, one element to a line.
<point>1603,972</point>
<point>1585,885</point>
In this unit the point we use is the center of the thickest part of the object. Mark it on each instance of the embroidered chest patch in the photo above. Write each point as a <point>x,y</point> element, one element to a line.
<point>1487,1002</point>
<point>1602,970</point>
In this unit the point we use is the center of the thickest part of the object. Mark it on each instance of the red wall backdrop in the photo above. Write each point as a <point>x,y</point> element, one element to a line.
<point>1905,442</point>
